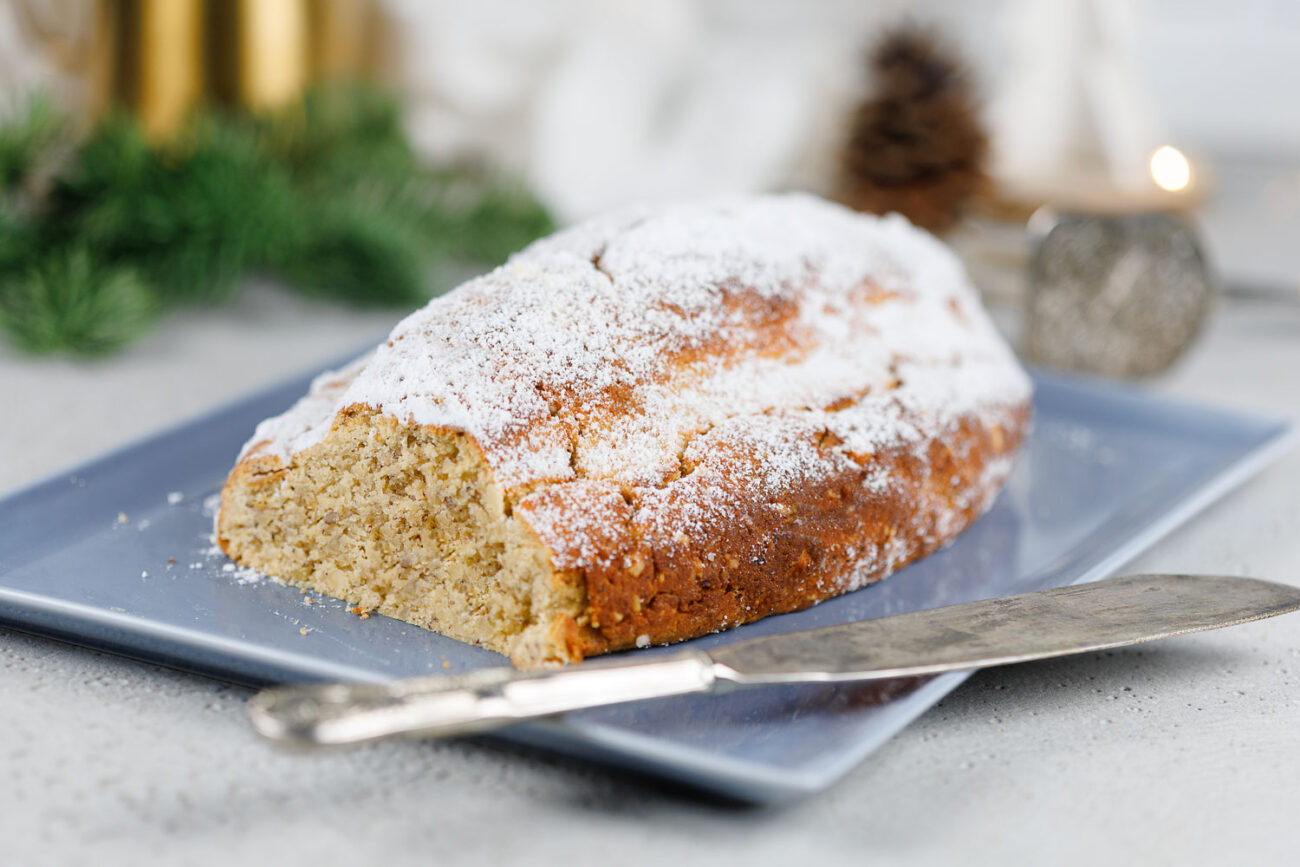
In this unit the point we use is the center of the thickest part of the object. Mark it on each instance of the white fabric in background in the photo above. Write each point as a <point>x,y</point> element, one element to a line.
<point>603,103</point>
<point>598,102</point>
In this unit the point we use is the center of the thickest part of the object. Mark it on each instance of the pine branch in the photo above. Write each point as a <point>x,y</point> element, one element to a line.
<point>191,218</point>
<point>346,251</point>
<point>70,302</point>
<point>502,219</point>
<point>327,193</point>
<point>339,134</point>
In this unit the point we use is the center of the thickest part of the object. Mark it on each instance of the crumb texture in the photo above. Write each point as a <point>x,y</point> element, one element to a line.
<point>404,520</point>
<point>652,425</point>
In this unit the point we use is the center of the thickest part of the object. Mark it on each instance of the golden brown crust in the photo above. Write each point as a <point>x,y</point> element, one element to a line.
<point>655,586</point>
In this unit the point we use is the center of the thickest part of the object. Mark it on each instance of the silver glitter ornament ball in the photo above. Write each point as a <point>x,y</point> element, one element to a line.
<point>1118,296</point>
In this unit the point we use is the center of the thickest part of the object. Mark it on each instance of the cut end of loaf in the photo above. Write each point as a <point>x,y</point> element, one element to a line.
<point>407,521</point>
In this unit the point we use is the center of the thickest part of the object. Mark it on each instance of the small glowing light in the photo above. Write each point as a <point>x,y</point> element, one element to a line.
<point>1170,169</point>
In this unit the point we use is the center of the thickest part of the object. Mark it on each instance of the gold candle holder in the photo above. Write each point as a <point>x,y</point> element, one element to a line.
<point>160,58</point>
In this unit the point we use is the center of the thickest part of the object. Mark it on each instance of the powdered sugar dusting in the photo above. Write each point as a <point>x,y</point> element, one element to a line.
<point>307,422</point>
<point>627,348</point>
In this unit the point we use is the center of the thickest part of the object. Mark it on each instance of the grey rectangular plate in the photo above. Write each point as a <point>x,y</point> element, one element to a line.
<point>1106,473</point>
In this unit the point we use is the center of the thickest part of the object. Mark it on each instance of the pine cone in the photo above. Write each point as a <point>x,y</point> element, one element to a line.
<point>916,146</point>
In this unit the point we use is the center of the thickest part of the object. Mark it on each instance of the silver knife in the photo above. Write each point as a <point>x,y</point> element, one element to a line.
<point>1040,625</point>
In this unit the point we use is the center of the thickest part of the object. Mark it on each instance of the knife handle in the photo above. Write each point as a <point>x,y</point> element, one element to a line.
<point>336,714</point>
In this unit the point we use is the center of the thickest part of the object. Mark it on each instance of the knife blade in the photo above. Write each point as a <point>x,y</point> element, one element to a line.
<point>1010,629</point>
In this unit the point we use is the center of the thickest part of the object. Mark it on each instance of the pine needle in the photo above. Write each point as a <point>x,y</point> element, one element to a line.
<point>351,253</point>
<point>70,302</point>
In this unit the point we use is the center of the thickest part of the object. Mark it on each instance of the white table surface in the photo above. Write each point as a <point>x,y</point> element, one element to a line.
<point>1184,752</point>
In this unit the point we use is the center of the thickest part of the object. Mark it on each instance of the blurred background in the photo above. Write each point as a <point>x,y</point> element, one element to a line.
<point>1105,167</point>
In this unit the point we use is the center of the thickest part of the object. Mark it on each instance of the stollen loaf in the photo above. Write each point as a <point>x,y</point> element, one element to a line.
<point>660,423</point>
